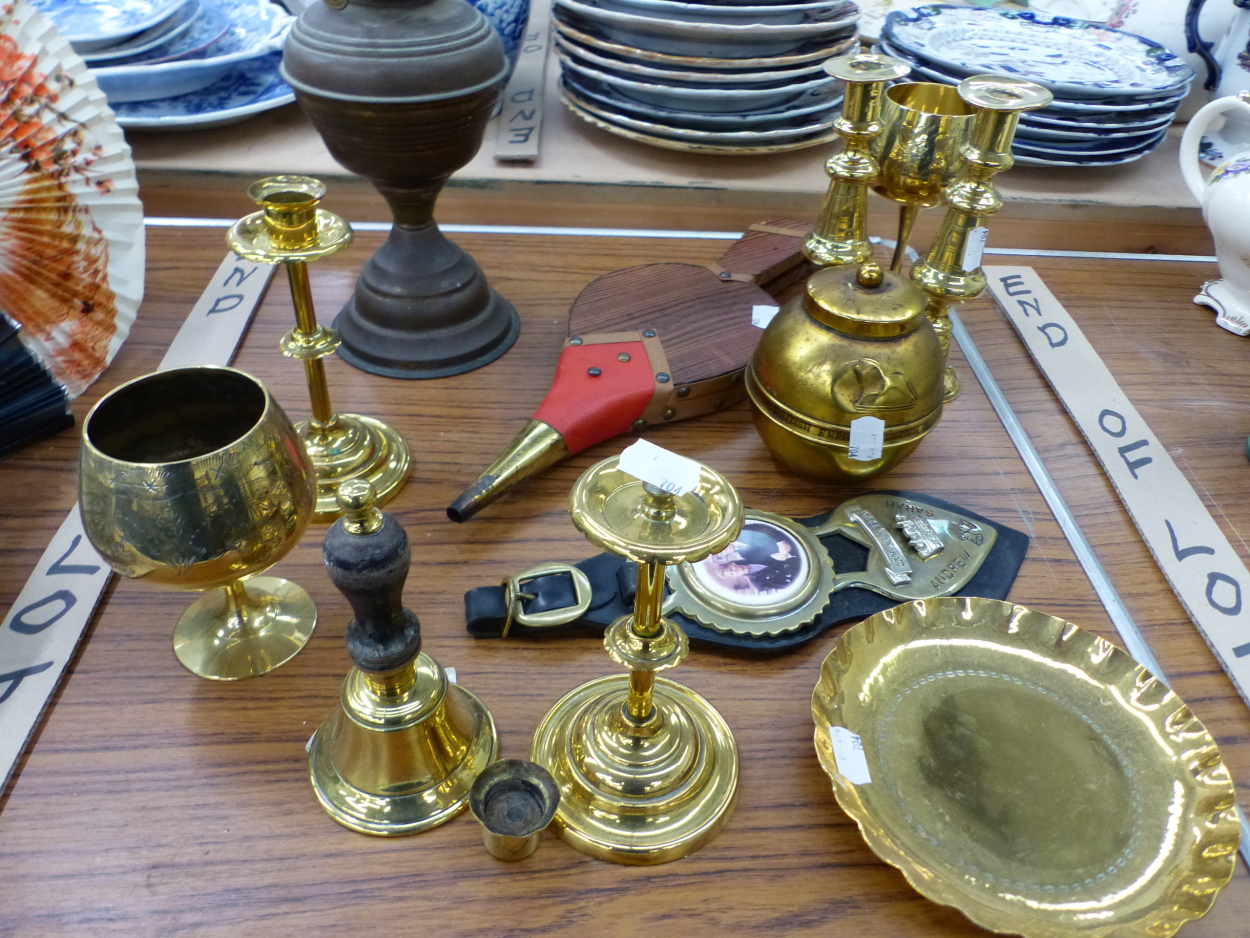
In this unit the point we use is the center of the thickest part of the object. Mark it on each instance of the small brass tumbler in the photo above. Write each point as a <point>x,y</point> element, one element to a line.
<point>194,478</point>
<point>926,124</point>
<point>647,769</point>
<point>291,230</point>
<point>513,800</point>
<point>401,751</point>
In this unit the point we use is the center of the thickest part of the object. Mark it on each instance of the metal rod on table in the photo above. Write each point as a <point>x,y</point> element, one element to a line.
<point>1129,633</point>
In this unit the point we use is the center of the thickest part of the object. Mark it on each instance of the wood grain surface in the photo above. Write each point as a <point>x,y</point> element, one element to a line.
<point>154,803</point>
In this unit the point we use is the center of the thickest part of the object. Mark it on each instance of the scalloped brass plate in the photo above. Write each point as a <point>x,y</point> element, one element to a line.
<point>1026,772</point>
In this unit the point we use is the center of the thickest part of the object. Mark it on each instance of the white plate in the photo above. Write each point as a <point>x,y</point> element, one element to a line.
<point>774,14</point>
<point>1073,58</point>
<point>651,73</point>
<point>817,51</point>
<point>247,89</point>
<point>704,39</point>
<point>709,100</point>
<point>92,24</point>
<point>156,37</point>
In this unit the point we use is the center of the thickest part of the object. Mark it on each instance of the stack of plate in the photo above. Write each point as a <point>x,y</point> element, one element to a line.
<point>1115,92</point>
<point>179,63</point>
<point>712,77</point>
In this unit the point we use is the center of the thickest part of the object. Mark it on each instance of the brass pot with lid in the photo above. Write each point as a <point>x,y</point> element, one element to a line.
<point>855,344</point>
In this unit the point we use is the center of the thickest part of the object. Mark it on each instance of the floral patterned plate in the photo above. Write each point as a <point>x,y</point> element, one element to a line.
<point>1073,58</point>
<point>92,24</point>
<point>247,89</point>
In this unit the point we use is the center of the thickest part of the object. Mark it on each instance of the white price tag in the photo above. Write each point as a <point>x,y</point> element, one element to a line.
<point>451,674</point>
<point>761,316</point>
<point>848,753</point>
<point>867,438</point>
<point>974,247</point>
<point>664,470</point>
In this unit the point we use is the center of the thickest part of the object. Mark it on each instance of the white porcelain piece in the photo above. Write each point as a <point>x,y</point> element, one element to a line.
<point>651,72</point>
<point>732,14</point>
<point>158,36</point>
<point>1225,200</point>
<point>93,24</point>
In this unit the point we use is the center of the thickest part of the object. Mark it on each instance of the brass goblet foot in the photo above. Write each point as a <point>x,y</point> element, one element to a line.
<point>354,447</point>
<point>244,629</point>
<point>638,792</point>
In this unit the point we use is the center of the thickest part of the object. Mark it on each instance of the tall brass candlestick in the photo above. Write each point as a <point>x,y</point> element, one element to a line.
<point>951,271</point>
<point>291,230</point>
<point>841,235</point>
<point>647,769</point>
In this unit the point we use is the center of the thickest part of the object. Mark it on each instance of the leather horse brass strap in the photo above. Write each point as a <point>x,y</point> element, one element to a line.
<point>784,581</point>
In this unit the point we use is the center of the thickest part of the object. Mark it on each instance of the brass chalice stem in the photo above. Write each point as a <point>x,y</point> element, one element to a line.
<point>840,235</point>
<point>646,625</point>
<point>906,220</point>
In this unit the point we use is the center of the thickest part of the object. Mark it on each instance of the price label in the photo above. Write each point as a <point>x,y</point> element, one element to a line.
<point>867,438</point>
<point>668,471</point>
<point>974,247</point>
<point>762,315</point>
<point>848,753</point>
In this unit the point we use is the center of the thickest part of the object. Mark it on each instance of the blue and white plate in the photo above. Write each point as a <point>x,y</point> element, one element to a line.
<point>92,24</point>
<point>248,88</point>
<point>253,29</point>
<point>1073,58</point>
<point>150,40</point>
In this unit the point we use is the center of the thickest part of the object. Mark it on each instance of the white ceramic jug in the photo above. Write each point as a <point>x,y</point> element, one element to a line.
<point>1225,201</point>
<point>1226,51</point>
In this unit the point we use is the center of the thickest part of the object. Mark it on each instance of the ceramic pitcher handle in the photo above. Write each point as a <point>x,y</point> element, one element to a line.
<point>1199,46</point>
<point>1191,168</point>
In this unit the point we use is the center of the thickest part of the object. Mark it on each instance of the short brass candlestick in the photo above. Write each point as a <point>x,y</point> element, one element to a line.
<point>951,271</point>
<point>291,230</point>
<point>647,769</point>
<point>841,235</point>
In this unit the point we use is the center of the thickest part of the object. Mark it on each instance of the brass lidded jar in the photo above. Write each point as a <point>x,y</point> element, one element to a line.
<point>856,343</point>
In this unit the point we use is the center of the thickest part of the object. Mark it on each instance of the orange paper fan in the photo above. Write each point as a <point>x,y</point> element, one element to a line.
<point>71,224</point>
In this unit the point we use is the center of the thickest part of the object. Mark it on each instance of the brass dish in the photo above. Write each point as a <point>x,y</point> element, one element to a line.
<point>1025,771</point>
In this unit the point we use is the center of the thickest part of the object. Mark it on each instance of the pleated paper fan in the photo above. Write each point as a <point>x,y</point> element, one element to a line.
<point>71,224</point>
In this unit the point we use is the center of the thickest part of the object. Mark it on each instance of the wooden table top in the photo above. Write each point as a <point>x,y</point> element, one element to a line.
<point>155,803</point>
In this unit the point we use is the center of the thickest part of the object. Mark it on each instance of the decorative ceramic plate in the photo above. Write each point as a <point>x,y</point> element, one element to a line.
<point>71,225</point>
<point>730,137</point>
<point>247,89</point>
<point>150,39</point>
<point>1025,771</point>
<point>1107,107</point>
<point>1105,122</point>
<point>91,24</point>
<point>254,28</point>
<point>1079,149</point>
<point>687,146</point>
<point>616,103</point>
<point>1074,58</point>
<point>674,37</point>
<point>652,73</point>
<point>817,51</point>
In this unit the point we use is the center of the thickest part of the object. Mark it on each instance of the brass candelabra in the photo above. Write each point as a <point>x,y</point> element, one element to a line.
<point>291,230</point>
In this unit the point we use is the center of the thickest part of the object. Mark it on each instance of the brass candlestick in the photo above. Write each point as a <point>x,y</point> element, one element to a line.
<point>841,236</point>
<point>291,230</point>
<point>647,769</point>
<point>951,271</point>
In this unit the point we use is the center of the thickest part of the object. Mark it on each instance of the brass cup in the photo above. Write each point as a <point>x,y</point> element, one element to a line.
<point>925,126</point>
<point>194,478</point>
<point>514,800</point>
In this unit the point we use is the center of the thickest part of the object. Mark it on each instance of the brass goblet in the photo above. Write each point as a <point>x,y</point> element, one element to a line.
<point>194,478</point>
<point>925,125</point>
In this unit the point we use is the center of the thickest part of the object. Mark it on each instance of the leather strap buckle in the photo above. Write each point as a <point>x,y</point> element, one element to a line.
<point>514,597</point>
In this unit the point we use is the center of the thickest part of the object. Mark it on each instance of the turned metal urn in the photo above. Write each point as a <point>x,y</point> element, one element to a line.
<point>856,344</point>
<point>401,91</point>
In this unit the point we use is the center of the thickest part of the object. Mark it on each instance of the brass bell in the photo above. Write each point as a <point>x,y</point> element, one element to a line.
<point>856,344</point>
<point>401,752</point>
